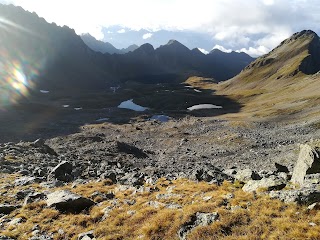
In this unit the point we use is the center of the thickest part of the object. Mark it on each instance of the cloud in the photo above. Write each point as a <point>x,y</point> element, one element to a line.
<point>121,31</point>
<point>203,51</point>
<point>255,52</point>
<point>223,49</point>
<point>147,35</point>
<point>268,2</point>
<point>97,33</point>
<point>232,23</point>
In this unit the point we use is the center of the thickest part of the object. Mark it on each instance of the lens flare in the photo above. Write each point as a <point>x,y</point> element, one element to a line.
<point>16,79</point>
<point>19,64</point>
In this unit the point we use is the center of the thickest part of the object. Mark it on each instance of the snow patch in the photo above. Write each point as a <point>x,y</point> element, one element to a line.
<point>203,106</point>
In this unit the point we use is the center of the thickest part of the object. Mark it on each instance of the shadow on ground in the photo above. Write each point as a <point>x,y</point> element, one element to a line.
<point>44,116</point>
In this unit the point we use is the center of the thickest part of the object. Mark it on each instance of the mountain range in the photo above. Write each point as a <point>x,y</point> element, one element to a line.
<point>282,83</point>
<point>42,56</point>
<point>105,47</point>
<point>54,57</point>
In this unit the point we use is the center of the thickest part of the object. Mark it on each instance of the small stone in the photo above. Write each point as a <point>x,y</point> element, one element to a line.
<point>314,206</point>
<point>207,198</point>
<point>86,236</point>
<point>131,212</point>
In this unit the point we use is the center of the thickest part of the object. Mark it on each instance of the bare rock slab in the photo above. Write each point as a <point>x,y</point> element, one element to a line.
<point>308,163</point>
<point>66,201</point>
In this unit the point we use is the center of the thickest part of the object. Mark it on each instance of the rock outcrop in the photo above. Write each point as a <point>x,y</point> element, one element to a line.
<point>308,163</point>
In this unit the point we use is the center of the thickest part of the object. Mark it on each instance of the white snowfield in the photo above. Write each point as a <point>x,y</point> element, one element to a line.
<point>203,106</point>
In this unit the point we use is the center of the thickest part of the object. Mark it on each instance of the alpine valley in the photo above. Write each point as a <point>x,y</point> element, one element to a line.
<point>155,143</point>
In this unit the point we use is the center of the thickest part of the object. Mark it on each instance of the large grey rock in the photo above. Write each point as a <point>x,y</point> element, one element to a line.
<point>133,178</point>
<point>198,219</point>
<point>269,184</point>
<point>308,163</point>
<point>306,196</point>
<point>209,174</point>
<point>246,175</point>
<point>66,201</point>
<point>61,172</point>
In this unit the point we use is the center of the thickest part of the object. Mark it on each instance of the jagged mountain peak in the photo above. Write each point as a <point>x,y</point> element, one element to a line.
<point>175,44</point>
<point>301,52</point>
<point>214,51</point>
<point>145,48</point>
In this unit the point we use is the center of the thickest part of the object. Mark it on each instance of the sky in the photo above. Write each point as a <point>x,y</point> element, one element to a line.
<point>252,26</point>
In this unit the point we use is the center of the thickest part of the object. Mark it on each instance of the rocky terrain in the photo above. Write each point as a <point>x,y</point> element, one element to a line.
<point>75,165</point>
<point>89,169</point>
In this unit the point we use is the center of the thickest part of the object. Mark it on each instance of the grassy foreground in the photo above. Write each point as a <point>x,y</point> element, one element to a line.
<point>158,211</point>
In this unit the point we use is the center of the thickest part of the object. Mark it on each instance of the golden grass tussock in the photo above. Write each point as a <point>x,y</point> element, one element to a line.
<point>144,215</point>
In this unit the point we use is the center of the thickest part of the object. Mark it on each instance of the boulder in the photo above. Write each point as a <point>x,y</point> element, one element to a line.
<point>305,196</point>
<point>66,201</point>
<point>133,179</point>
<point>210,174</point>
<point>109,175</point>
<point>86,236</point>
<point>246,175</point>
<point>197,219</point>
<point>7,209</point>
<point>308,163</point>
<point>61,172</point>
<point>269,184</point>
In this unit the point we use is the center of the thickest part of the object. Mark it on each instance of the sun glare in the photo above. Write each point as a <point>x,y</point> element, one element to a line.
<point>15,80</point>
<point>17,70</point>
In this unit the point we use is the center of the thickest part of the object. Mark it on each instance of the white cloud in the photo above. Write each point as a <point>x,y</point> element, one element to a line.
<point>223,49</point>
<point>255,52</point>
<point>97,33</point>
<point>121,31</point>
<point>147,35</point>
<point>203,51</point>
<point>268,2</point>
<point>238,24</point>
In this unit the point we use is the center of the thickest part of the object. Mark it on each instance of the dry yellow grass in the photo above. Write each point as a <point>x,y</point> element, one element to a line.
<point>257,218</point>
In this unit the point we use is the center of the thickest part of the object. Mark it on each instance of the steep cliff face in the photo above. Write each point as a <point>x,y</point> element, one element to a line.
<point>311,64</point>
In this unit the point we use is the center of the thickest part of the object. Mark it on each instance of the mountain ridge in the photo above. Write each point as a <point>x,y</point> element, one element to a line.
<point>284,81</point>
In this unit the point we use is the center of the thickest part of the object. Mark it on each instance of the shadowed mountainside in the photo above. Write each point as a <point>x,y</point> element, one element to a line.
<point>48,56</point>
<point>55,58</point>
<point>175,62</point>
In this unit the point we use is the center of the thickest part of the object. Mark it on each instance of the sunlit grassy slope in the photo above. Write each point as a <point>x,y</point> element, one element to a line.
<point>131,216</point>
<point>275,85</point>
